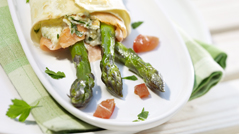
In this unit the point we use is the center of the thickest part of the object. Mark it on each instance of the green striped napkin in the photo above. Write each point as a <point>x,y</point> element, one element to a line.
<point>208,63</point>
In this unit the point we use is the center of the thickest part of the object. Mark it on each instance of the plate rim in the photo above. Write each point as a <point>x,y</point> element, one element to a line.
<point>64,103</point>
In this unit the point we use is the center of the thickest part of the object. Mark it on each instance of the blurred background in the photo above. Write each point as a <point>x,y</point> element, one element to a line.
<point>218,111</point>
<point>221,17</point>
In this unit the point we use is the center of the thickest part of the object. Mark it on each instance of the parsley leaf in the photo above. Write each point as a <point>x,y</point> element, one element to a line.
<point>133,78</point>
<point>136,24</point>
<point>27,1</point>
<point>54,75</point>
<point>142,116</point>
<point>21,108</point>
<point>57,36</point>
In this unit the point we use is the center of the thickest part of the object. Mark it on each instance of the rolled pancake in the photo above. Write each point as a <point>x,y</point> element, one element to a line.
<point>53,11</point>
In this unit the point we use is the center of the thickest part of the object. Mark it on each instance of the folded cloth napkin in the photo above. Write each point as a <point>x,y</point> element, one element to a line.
<point>208,64</point>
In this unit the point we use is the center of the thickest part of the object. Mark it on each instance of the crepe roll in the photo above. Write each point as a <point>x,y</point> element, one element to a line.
<point>59,24</point>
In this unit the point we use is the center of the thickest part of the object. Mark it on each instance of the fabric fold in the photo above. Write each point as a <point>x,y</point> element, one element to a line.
<point>218,55</point>
<point>208,62</point>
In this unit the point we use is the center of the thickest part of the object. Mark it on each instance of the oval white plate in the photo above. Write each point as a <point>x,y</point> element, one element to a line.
<point>171,59</point>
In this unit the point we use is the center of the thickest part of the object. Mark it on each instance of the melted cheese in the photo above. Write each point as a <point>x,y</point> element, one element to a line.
<point>51,30</point>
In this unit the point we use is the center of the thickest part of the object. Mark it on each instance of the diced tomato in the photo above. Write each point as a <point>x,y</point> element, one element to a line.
<point>145,43</point>
<point>105,109</point>
<point>141,90</point>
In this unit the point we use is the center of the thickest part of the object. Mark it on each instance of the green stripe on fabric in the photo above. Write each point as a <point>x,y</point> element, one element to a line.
<point>218,55</point>
<point>221,60</point>
<point>194,50</point>
<point>206,85</point>
<point>26,86</point>
<point>7,31</point>
<point>12,57</point>
<point>48,106</point>
<point>15,64</point>
<point>54,116</point>
<point>10,48</point>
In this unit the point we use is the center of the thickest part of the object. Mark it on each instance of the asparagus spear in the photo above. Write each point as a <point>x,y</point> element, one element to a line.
<point>110,72</point>
<point>81,89</point>
<point>149,74</point>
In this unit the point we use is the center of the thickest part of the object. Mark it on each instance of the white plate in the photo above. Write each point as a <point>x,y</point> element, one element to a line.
<point>171,59</point>
<point>171,54</point>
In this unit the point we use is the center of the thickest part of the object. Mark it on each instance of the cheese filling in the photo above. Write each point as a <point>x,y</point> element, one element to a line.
<point>52,30</point>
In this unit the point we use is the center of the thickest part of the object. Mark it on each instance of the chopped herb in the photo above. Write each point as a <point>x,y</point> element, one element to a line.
<point>74,30</point>
<point>37,30</point>
<point>58,36</point>
<point>78,33</point>
<point>79,21</point>
<point>27,1</point>
<point>88,24</point>
<point>133,78</point>
<point>82,22</point>
<point>90,39</point>
<point>136,24</point>
<point>142,116</point>
<point>19,108</point>
<point>54,75</point>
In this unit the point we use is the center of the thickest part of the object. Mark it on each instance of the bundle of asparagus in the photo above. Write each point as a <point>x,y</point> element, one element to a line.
<point>81,89</point>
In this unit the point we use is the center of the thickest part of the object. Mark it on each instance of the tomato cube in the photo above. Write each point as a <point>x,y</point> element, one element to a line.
<point>105,109</point>
<point>141,90</point>
<point>144,43</point>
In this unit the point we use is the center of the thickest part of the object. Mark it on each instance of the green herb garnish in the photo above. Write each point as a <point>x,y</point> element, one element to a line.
<point>36,30</point>
<point>90,39</point>
<point>74,30</point>
<point>19,108</point>
<point>27,1</point>
<point>133,78</point>
<point>58,36</point>
<point>54,75</point>
<point>79,21</point>
<point>136,24</point>
<point>78,33</point>
<point>142,116</point>
<point>88,24</point>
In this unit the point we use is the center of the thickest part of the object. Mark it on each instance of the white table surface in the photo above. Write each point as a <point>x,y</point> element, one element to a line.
<point>216,112</point>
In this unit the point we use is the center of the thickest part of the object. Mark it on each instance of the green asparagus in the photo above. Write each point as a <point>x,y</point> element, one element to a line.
<point>150,75</point>
<point>110,72</point>
<point>81,89</point>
